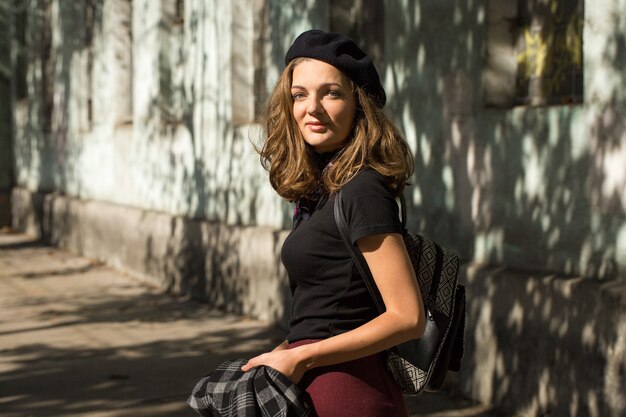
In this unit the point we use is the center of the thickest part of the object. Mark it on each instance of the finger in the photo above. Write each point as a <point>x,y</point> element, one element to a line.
<point>249,365</point>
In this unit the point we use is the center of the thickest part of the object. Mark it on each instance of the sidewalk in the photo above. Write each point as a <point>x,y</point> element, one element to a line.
<point>78,338</point>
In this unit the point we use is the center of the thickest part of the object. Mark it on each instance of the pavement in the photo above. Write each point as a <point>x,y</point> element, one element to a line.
<point>79,338</point>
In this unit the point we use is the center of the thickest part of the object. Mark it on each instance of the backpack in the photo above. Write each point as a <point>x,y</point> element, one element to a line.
<point>421,364</point>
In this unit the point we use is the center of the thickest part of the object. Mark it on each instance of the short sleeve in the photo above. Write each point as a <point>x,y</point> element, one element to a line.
<point>370,206</point>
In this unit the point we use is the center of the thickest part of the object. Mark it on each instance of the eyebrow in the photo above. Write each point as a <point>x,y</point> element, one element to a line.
<point>320,86</point>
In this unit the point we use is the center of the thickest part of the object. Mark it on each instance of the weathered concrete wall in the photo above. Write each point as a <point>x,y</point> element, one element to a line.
<point>541,344</point>
<point>235,268</point>
<point>525,189</point>
<point>535,343</point>
<point>6,142</point>
<point>528,189</point>
<point>164,145</point>
<point>178,151</point>
<point>533,188</point>
<point>488,181</point>
<point>533,198</point>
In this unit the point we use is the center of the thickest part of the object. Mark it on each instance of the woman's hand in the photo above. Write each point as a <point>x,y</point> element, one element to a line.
<point>285,361</point>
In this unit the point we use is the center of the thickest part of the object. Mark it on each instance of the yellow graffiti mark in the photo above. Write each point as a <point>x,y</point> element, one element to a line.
<point>533,58</point>
<point>554,5</point>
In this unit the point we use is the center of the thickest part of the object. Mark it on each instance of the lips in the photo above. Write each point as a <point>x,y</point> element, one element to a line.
<point>316,126</point>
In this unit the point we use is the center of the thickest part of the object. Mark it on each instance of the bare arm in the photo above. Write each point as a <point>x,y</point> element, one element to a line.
<point>403,319</point>
<point>282,346</point>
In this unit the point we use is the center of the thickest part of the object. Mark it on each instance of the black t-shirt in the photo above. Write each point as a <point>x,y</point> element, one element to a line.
<point>329,296</point>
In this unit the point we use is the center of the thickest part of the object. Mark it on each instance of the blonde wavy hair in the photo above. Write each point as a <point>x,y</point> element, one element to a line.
<point>373,143</point>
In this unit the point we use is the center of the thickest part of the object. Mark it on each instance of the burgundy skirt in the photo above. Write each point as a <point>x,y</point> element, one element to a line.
<point>359,388</point>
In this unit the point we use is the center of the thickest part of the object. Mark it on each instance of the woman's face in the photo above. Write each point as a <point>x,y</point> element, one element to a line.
<point>323,104</point>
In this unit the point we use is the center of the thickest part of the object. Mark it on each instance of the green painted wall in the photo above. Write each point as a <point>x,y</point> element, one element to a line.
<point>6,152</point>
<point>529,188</point>
<point>6,148</point>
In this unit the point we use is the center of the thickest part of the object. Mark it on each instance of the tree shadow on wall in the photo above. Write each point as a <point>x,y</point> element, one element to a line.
<point>526,189</point>
<point>45,145</point>
<point>232,268</point>
<point>208,253</point>
<point>56,70</point>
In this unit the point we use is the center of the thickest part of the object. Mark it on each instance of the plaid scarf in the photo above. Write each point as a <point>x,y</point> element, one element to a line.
<point>260,392</point>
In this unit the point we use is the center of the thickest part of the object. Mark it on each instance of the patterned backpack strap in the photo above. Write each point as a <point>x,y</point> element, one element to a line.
<point>426,257</point>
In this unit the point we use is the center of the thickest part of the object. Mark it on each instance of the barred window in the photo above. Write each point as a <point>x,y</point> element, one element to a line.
<point>534,53</point>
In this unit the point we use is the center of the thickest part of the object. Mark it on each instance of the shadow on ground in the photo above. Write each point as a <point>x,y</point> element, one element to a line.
<point>79,338</point>
<point>48,381</point>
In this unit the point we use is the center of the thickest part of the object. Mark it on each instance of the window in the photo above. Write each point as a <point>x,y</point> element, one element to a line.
<point>534,53</point>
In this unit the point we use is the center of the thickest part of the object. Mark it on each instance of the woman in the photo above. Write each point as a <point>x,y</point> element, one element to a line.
<point>326,131</point>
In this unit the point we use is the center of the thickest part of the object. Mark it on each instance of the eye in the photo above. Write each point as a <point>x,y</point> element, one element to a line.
<point>297,96</point>
<point>334,93</point>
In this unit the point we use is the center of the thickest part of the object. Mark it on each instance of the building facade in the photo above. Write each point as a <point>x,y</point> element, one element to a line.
<point>128,135</point>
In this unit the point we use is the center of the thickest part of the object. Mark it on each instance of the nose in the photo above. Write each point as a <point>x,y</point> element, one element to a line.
<point>314,106</point>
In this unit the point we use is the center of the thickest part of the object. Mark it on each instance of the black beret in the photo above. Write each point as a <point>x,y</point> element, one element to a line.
<point>342,53</point>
